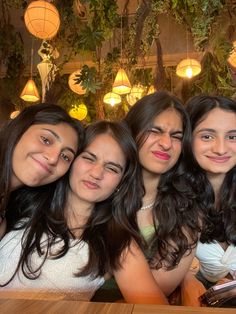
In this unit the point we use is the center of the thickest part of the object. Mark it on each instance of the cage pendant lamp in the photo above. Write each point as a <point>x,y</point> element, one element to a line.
<point>112,99</point>
<point>121,84</point>
<point>42,19</point>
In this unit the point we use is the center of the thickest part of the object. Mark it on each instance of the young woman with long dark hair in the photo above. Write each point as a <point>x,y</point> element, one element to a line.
<point>36,148</point>
<point>69,235</point>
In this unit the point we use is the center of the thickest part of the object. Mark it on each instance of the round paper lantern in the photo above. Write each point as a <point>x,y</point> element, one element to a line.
<point>42,19</point>
<point>188,68</point>
<point>79,112</point>
<point>76,88</point>
<point>112,99</point>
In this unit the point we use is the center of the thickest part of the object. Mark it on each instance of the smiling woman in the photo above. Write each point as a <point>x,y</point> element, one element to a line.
<point>213,120</point>
<point>72,234</point>
<point>36,148</point>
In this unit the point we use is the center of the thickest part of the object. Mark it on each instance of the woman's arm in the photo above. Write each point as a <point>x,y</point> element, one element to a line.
<point>135,279</point>
<point>169,280</point>
<point>191,289</point>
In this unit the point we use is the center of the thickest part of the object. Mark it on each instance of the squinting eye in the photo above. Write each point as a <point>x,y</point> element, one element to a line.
<point>155,131</point>
<point>45,140</point>
<point>112,170</point>
<point>87,158</point>
<point>178,137</point>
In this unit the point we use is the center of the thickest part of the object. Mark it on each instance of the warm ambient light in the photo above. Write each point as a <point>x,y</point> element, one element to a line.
<point>14,114</point>
<point>135,94</point>
<point>79,112</point>
<point>42,19</point>
<point>112,99</point>
<point>232,56</point>
<point>188,68</point>
<point>76,88</point>
<point>121,84</point>
<point>30,92</point>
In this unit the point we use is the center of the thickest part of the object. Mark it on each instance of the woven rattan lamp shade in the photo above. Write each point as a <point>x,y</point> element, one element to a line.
<point>42,19</point>
<point>188,68</point>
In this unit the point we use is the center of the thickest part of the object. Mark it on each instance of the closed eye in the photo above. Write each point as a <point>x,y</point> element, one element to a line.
<point>154,131</point>
<point>112,169</point>
<point>177,136</point>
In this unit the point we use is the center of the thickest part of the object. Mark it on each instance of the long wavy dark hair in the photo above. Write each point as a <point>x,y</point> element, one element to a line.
<point>109,229</point>
<point>220,223</point>
<point>12,131</point>
<point>175,213</point>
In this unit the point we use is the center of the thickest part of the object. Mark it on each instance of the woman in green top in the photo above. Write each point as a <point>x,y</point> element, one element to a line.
<point>168,218</point>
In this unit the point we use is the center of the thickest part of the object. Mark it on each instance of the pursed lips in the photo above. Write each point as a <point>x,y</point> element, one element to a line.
<point>161,155</point>
<point>90,184</point>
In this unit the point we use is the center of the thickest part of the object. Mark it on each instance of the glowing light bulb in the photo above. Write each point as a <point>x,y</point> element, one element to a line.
<point>189,72</point>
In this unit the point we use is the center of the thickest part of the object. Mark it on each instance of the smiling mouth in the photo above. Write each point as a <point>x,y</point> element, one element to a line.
<point>43,166</point>
<point>219,160</point>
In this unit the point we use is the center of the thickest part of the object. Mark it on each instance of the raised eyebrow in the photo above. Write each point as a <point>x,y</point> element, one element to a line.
<point>59,139</point>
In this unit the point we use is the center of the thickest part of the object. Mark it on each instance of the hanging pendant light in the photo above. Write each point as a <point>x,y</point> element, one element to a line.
<point>76,88</point>
<point>135,94</point>
<point>188,68</point>
<point>42,19</point>
<point>112,99</point>
<point>30,91</point>
<point>121,84</point>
